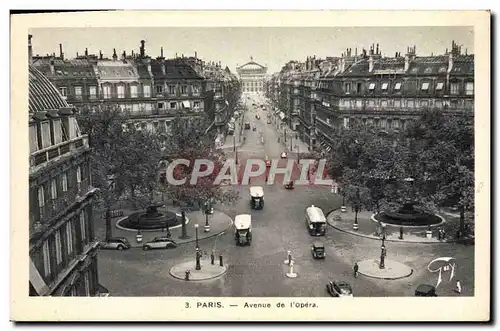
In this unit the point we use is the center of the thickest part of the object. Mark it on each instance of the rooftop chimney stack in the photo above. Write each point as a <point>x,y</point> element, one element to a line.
<point>52,68</point>
<point>407,61</point>
<point>143,49</point>
<point>30,49</point>
<point>124,56</point>
<point>61,54</point>
<point>195,54</point>
<point>100,55</point>
<point>161,51</point>
<point>86,52</point>
<point>370,64</point>
<point>115,57</point>
<point>377,50</point>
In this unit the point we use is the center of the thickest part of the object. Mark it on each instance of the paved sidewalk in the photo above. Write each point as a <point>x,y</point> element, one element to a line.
<point>219,222</point>
<point>368,228</point>
<point>392,270</point>
<point>207,271</point>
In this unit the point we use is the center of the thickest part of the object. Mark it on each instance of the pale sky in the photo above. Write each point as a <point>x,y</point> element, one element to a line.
<point>272,47</point>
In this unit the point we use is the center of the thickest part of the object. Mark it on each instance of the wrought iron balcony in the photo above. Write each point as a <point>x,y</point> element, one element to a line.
<point>53,152</point>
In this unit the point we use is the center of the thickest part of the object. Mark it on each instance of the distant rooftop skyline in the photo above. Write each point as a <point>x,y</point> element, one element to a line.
<point>271,47</point>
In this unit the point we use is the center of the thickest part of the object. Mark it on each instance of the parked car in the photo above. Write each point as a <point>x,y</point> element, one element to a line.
<point>284,155</point>
<point>247,125</point>
<point>268,121</point>
<point>425,290</point>
<point>339,289</point>
<point>257,116</point>
<point>159,243</point>
<point>117,243</point>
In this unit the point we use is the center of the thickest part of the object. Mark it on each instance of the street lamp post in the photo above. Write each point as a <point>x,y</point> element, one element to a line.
<point>207,226</point>
<point>196,231</point>
<point>198,253</point>
<point>382,257</point>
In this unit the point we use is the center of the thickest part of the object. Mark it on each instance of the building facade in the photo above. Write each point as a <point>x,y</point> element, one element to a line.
<point>62,245</point>
<point>252,77</point>
<point>386,92</point>
<point>152,90</point>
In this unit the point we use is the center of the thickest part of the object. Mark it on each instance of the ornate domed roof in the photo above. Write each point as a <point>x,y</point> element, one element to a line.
<point>252,65</point>
<point>43,95</point>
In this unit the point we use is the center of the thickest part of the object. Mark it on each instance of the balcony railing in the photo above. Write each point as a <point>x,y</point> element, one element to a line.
<point>55,207</point>
<point>49,153</point>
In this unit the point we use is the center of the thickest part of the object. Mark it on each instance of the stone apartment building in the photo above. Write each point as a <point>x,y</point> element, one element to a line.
<point>153,90</point>
<point>386,92</point>
<point>62,245</point>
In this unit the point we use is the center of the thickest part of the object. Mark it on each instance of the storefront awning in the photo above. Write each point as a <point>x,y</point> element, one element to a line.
<point>186,104</point>
<point>282,115</point>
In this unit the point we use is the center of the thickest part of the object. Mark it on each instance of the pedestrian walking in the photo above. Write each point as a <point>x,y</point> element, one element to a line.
<point>443,234</point>
<point>356,268</point>
<point>458,288</point>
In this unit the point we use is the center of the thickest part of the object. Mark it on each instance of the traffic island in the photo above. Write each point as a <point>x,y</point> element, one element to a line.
<point>218,221</point>
<point>367,227</point>
<point>392,269</point>
<point>207,271</point>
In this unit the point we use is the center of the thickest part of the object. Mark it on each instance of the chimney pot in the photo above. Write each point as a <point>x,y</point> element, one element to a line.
<point>142,49</point>
<point>61,54</point>
<point>161,51</point>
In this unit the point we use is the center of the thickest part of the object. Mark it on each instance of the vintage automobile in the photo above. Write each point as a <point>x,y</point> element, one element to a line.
<point>425,290</point>
<point>247,125</point>
<point>318,250</point>
<point>118,243</point>
<point>315,221</point>
<point>268,121</point>
<point>159,243</point>
<point>339,289</point>
<point>289,185</point>
<point>257,116</point>
<point>254,128</point>
<point>243,229</point>
<point>257,197</point>
<point>284,155</point>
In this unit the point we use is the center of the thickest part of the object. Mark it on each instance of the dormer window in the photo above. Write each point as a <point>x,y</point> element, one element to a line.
<point>439,86</point>
<point>414,70</point>
<point>427,70</point>
<point>425,86</point>
<point>384,86</point>
<point>371,86</point>
<point>397,87</point>
<point>59,72</point>
<point>65,73</point>
<point>442,70</point>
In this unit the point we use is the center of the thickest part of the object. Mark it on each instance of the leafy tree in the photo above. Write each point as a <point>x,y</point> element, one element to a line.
<point>104,127</point>
<point>187,139</point>
<point>123,157</point>
<point>444,149</point>
<point>356,191</point>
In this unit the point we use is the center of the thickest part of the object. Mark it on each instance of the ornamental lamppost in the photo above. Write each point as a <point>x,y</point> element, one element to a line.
<point>207,212</point>
<point>198,252</point>
<point>383,253</point>
<point>196,231</point>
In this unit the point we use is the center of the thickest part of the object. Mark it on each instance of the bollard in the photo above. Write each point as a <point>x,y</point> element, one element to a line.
<point>187,275</point>
<point>355,227</point>
<point>220,261</point>
<point>212,258</point>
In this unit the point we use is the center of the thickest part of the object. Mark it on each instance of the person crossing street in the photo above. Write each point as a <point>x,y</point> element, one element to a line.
<point>356,268</point>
